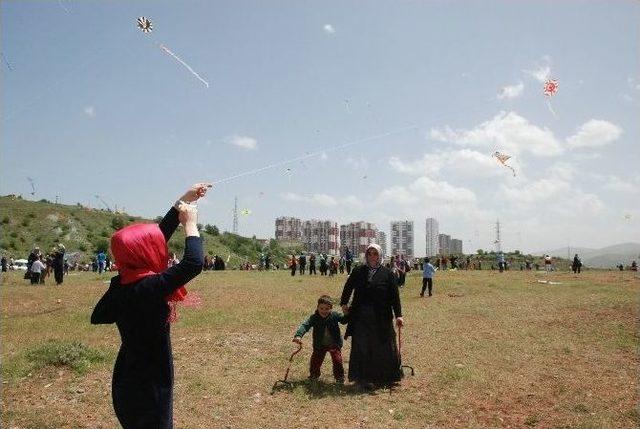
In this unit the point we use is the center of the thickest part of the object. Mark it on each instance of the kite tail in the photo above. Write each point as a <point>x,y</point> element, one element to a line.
<point>512,170</point>
<point>551,108</point>
<point>187,66</point>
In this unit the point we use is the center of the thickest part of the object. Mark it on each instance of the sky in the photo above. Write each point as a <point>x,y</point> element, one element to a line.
<point>340,110</point>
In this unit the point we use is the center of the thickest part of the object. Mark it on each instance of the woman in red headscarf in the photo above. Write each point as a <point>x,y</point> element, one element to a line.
<point>141,301</point>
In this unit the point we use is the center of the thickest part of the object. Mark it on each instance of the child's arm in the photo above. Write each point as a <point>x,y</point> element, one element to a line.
<point>303,329</point>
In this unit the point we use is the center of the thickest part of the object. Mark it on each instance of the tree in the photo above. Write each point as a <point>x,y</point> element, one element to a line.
<point>211,230</point>
<point>118,222</point>
<point>480,252</point>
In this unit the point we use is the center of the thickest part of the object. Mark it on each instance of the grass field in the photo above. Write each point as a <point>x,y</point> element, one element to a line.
<point>489,350</point>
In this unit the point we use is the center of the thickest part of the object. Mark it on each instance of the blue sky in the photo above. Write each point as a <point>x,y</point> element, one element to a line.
<point>91,105</point>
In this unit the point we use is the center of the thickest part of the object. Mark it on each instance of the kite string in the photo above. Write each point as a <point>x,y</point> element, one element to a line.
<point>314,154</point>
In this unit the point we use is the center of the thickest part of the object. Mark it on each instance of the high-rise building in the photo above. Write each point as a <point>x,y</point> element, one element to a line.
<point>432,237</point>
<point>402,238</point>
<point>444,244</point>
<point>321,236</point>
<point>288,228</point>
<point>357,236</point>
<point>456,246</point>
<point>381,239</point>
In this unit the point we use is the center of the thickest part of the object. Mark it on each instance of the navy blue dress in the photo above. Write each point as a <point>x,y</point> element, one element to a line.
<point>142,385</point>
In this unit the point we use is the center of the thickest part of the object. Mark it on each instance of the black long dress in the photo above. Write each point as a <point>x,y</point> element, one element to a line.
<point>374,354</point>
<point>142,386</point>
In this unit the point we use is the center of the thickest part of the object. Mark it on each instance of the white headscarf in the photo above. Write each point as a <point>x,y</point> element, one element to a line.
<point>379,249</point>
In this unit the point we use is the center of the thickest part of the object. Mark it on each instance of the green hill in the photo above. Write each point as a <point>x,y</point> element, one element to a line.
<point>84,231</point>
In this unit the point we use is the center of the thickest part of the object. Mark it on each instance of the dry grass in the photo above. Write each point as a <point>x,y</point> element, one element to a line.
<point>501,351</point>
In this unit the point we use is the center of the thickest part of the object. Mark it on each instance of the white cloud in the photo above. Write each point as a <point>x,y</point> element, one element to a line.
<point>511,91</point>
<point>425,189</point>
<point>323,156</point>
<point>561,170</point>
<point>463,163</point>
<point>243,142</point>
<point>323,200</point>
<point>541,72</point>
<point>507,132</point>
<point>90,111</point>
<point>357,164</point>
<point>594,133</point>
<point>537,191</point>
<point>328,28</point>
<point>616,184</point>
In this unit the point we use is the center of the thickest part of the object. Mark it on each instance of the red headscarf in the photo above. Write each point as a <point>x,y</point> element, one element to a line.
<point>140,250</point>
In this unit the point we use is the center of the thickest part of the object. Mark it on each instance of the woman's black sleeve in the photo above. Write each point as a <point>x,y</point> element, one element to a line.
<point>169,223</point>
<point>106,309</point>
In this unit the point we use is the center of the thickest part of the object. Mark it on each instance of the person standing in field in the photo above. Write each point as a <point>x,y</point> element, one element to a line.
<point>312,264</point>
<point>141,301</point>
<point>548,267</point>
<point>427,277</point>
<point>576,265</point>
<point>348,259</point>
<point>293,263</point>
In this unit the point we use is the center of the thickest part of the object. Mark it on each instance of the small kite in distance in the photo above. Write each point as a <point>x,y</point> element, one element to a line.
<point>145,25</point>
<point>502,159</point>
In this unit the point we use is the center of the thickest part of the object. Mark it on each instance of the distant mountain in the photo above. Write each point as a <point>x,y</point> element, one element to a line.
<point>605,257</point>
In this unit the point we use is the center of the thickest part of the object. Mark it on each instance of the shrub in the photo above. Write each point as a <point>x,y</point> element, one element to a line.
<point>118,222</point>
<point>75,355</point>
<point>6,220</point>
<point>101,245</point>
<point>25,222</point>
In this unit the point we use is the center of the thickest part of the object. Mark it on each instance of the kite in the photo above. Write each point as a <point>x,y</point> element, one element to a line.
<point>502,159</point>
<point>245,212</point>
<point>549,90</point>
<point>550,87</point>
<point>627,217</point>
<point>145,25</point>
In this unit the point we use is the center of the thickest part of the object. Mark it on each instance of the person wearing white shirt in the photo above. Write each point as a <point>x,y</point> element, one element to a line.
<point>36,271</point>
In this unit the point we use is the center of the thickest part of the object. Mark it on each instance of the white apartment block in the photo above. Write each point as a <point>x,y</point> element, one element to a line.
<point>432,237</point>
<point>321,236</point>
<point>357,236</point>
<point>402,238</point>
<point>288,228</point>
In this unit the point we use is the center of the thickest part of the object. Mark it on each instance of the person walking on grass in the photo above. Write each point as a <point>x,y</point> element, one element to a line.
<point>427,277</point>
<point>326,338</point>
<point>141,301</point>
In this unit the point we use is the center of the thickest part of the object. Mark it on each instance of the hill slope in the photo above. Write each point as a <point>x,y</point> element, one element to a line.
<point>25,224</point>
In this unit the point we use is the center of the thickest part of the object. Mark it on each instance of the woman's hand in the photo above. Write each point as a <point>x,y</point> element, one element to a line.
<point>197,191</point>
<point>297,340</point>
<point>188,216</point>
<point>399,322</point>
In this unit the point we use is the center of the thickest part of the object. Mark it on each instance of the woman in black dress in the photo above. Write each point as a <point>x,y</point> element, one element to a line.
<point>374,359</point>
<point>141,302</point>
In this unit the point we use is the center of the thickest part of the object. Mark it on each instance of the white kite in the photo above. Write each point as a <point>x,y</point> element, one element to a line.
<point>502,159</point>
